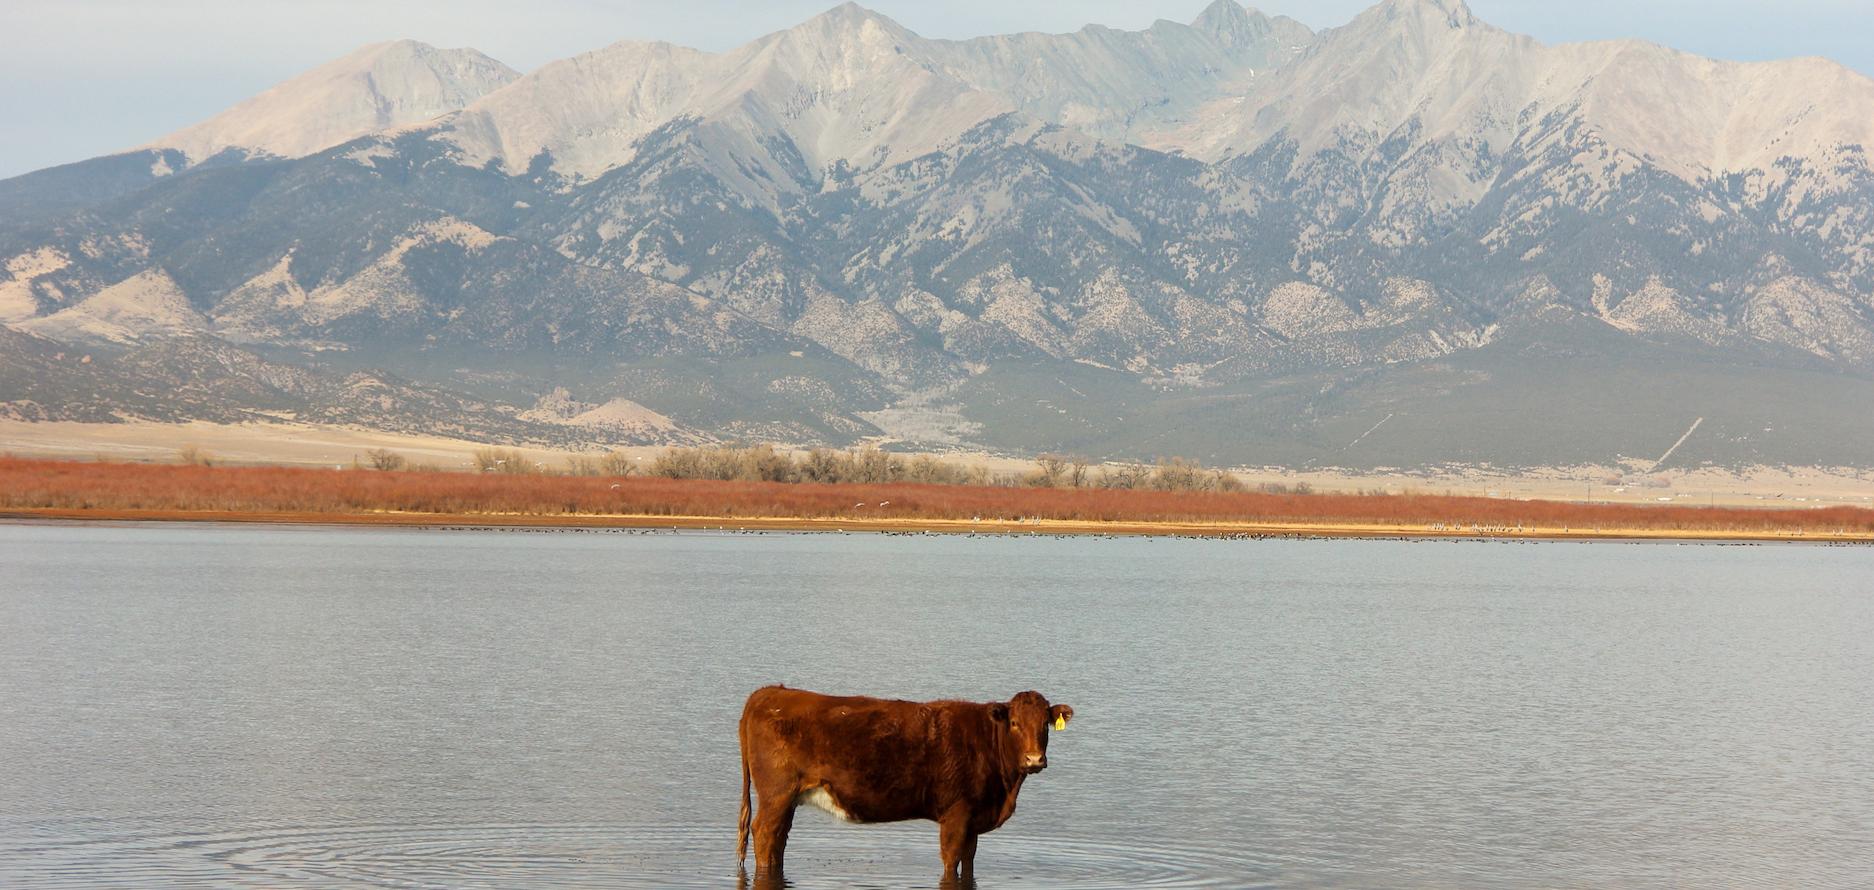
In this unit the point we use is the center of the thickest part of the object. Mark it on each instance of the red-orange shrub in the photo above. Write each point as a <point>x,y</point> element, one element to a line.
<point>168,487</point>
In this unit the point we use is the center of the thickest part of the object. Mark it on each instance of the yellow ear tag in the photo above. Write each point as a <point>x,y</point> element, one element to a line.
<point>1060,723</point>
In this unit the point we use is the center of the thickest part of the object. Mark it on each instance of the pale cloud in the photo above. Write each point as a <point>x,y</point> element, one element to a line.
<point>80,78</point>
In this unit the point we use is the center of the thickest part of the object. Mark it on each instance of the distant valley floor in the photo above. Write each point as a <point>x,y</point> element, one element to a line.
<point>310,445</point>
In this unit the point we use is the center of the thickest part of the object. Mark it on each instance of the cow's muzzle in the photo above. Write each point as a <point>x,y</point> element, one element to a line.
<point>1034,763</point>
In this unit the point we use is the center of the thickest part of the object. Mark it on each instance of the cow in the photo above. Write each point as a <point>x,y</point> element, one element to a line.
<point>959,764</point>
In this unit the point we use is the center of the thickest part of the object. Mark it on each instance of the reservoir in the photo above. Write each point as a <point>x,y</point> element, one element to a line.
<point>253,706</point>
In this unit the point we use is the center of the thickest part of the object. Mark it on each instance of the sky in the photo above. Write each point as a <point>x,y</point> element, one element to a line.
<point>82,78</point>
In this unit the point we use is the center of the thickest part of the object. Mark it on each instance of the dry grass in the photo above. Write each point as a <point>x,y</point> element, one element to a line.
<point>104,487</point>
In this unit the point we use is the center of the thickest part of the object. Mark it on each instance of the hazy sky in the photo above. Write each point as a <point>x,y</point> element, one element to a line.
<point>81,78</point>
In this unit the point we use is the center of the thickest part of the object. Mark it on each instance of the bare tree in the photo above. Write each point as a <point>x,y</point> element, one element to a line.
<point>502,460</point>
<point>618,463</point>
<point>385,459</point>
<point>1124,476</point>
<point>1050,470</point>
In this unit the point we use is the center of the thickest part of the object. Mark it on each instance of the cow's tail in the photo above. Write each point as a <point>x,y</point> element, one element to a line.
<point>741,826</point>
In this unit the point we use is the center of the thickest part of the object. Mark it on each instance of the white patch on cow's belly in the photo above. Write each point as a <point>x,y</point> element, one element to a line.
<point>820,797</point>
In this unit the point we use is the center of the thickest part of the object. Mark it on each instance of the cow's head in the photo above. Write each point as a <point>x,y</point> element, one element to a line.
<point>1023,722</point>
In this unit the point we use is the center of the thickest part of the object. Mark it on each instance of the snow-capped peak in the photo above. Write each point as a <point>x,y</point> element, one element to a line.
<point>1231,24</point>
<point>378,86</point>
<point>849,17</point>
<point>853,86</point>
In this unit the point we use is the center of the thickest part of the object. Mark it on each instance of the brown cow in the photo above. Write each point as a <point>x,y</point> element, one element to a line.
<point>959,764</point>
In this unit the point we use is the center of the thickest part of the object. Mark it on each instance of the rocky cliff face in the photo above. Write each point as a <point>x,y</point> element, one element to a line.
<point>1235,239</point>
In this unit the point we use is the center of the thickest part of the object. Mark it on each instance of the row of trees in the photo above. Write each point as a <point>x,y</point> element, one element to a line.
<point>1170,474</point>
<point>513,461</point>
<point>765,463</point>
<point>762,463</point>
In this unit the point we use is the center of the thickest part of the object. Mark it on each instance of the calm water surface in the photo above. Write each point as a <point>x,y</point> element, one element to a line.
<point>268,707</point>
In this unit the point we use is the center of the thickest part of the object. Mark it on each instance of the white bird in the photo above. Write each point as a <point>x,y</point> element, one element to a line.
<point>883,503</point>
<point>860,504</point>
<point>614,486</point>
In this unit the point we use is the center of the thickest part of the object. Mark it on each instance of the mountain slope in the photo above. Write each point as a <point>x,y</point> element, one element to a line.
<point>1411,239</point>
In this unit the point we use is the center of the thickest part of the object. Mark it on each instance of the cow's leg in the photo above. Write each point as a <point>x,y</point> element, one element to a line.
<point>969,854</point>
<point>954,839</point>
<point>773,820</point>
<point>763,880</point>
<point>782,825</point>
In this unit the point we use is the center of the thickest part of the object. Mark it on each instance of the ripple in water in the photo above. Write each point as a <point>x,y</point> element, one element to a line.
<point>620,855</point>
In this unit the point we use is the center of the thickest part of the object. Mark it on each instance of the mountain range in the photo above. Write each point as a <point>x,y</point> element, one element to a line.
<point>1413,239</point>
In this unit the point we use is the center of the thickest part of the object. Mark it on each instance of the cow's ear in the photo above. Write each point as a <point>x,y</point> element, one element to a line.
<point>1061,714</point>
<point>999,712</point>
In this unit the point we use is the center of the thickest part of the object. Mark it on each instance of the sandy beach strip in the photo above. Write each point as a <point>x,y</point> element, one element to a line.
<point>1234,529</point>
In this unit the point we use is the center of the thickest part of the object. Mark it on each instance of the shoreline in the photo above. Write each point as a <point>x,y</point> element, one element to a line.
<point>1052,527</point>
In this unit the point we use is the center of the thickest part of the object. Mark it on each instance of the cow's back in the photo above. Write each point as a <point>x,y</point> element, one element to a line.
<point>874,758</point>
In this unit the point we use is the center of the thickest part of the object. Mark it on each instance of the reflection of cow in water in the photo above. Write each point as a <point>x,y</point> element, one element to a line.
<point>959,764</point>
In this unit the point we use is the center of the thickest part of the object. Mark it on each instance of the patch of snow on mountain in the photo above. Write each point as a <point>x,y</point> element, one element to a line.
<point>1806,315</point>
<point>17,299</point>
<point>384,289</point>
<point>149,303</point>
<point>1657,309</point>
<point>1298,309</point>
<point>377,87</point>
